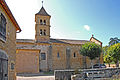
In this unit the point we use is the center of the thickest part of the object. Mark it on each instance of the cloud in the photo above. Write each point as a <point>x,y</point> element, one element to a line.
<point>87,27</point>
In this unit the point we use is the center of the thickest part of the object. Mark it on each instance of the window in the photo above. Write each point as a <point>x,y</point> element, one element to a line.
<point>44,32</point>
<point>12,66</point>
<point>43,56</point>
<point>58,55</point>
<point>40,31</point>
<point>2,27</point>
<point>41,21</point>
<point>74,54</point>
<point>44,22</point>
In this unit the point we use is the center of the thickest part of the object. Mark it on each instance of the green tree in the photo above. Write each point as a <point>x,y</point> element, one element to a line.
<point>91,50</point>
<point>105,48</point>
<point>107,58</point>
<point>106,55</point>
<point>114,52</point>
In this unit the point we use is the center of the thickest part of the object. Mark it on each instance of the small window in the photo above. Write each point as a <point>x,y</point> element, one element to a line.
<point>41,21</point>
<point>44,22</point>
<point>43,56</point>
<point>40,31</point>
<point>44,32</point>
<point>2,27</point>
<point>12,66</point>
<point>74,54</point>
<point>58,55</point>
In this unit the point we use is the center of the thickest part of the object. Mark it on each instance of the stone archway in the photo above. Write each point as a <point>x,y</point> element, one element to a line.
<point>3,65</point>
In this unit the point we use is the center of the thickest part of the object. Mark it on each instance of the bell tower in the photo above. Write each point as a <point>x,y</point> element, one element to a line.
<point>42,26</point>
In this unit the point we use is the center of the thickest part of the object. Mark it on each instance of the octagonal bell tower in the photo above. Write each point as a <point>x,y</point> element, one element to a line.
<point>42,26</point>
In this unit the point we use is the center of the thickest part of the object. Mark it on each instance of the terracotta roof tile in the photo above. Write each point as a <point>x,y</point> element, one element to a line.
<point>68,41</point>
<point>65,41</point>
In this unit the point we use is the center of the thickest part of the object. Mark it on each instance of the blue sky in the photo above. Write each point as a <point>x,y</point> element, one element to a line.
<point>70,19</point>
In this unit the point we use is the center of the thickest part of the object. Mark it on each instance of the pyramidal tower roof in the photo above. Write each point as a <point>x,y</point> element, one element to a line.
<point>43,12</point>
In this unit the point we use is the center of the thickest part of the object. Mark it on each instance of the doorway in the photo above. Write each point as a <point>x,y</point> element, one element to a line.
<point>3,65</point>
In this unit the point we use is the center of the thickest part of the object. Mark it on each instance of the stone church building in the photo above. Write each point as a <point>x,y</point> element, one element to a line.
<point>44,53</point>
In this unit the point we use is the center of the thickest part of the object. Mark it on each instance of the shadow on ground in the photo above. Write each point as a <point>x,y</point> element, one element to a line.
<point>35,74</point>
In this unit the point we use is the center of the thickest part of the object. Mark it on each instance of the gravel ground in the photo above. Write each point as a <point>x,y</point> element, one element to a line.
<point>36,78</point>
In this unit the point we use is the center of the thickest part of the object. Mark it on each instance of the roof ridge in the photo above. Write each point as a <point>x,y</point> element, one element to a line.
<point>70,39</point>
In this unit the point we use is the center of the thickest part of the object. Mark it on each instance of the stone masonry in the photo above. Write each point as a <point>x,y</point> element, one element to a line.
<point>54,54</point>
<point>7,43</point>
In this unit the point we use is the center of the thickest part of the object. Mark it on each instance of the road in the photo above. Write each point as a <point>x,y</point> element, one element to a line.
<point>36,78</point>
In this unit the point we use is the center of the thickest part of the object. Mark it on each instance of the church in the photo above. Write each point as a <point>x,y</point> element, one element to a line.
<point>47,54</point>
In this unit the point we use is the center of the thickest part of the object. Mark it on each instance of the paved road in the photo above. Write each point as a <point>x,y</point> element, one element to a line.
<point>36,78</point>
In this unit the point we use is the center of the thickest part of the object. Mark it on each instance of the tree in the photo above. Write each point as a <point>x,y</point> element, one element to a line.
<point>105,48</point>
<point>106,55</point>
<point>114,52</point>
<point>91,50</point>
<point>114,41</point>
<point>107,58</point>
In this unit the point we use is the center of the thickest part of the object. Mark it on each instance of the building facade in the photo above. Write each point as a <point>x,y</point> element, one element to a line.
<point>8,29</point>
<point>44,53</point>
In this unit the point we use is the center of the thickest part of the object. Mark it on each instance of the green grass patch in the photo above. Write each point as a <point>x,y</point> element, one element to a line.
<point>49,73</point>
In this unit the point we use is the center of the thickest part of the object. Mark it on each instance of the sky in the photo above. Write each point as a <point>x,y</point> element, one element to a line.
<point>70,19</point>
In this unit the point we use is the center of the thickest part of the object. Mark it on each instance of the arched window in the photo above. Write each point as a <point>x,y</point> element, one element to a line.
<point>44,32</point>
<point>44,22</point>
<point>41,21</point>
<point>40,31</point>
<point>2,27</point>
<point>74,54</point>
<point>58,55</point>
<point>12,66</point>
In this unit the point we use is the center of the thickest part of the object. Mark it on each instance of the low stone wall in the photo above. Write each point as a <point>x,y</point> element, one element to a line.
<point>63,74</point>
<point>86,73</point>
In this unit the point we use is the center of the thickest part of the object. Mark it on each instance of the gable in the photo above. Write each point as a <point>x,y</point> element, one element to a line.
<point>96,41</point>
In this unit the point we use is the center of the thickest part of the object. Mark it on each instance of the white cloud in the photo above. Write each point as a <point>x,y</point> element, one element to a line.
<point>87,27</point>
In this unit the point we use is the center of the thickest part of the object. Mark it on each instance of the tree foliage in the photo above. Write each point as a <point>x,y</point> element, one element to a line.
<point>106,55</point>
<point>107,58</point>
<point>91,50</point>
<point>105,48</point>
<point>114,52</point>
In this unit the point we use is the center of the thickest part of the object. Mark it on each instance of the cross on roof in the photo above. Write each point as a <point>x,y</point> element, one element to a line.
<point>42,3</point>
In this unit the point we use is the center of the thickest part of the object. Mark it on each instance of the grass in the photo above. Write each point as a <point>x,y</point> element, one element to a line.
<point>49,73</point>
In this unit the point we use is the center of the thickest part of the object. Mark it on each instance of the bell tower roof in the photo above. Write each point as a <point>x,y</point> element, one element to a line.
<point>43,12</point>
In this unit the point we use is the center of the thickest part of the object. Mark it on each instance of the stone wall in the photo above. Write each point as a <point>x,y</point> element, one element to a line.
<point>27,61</point>
<point>43,48</point>
<point>88,74</point>
<point>76,59</point>
<point>9,46</point>
<point>58,55</point>
<point>59,62</point>
<point>69,59</point>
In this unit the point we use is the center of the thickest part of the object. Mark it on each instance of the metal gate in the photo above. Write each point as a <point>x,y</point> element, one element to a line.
<point>3,65</point>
